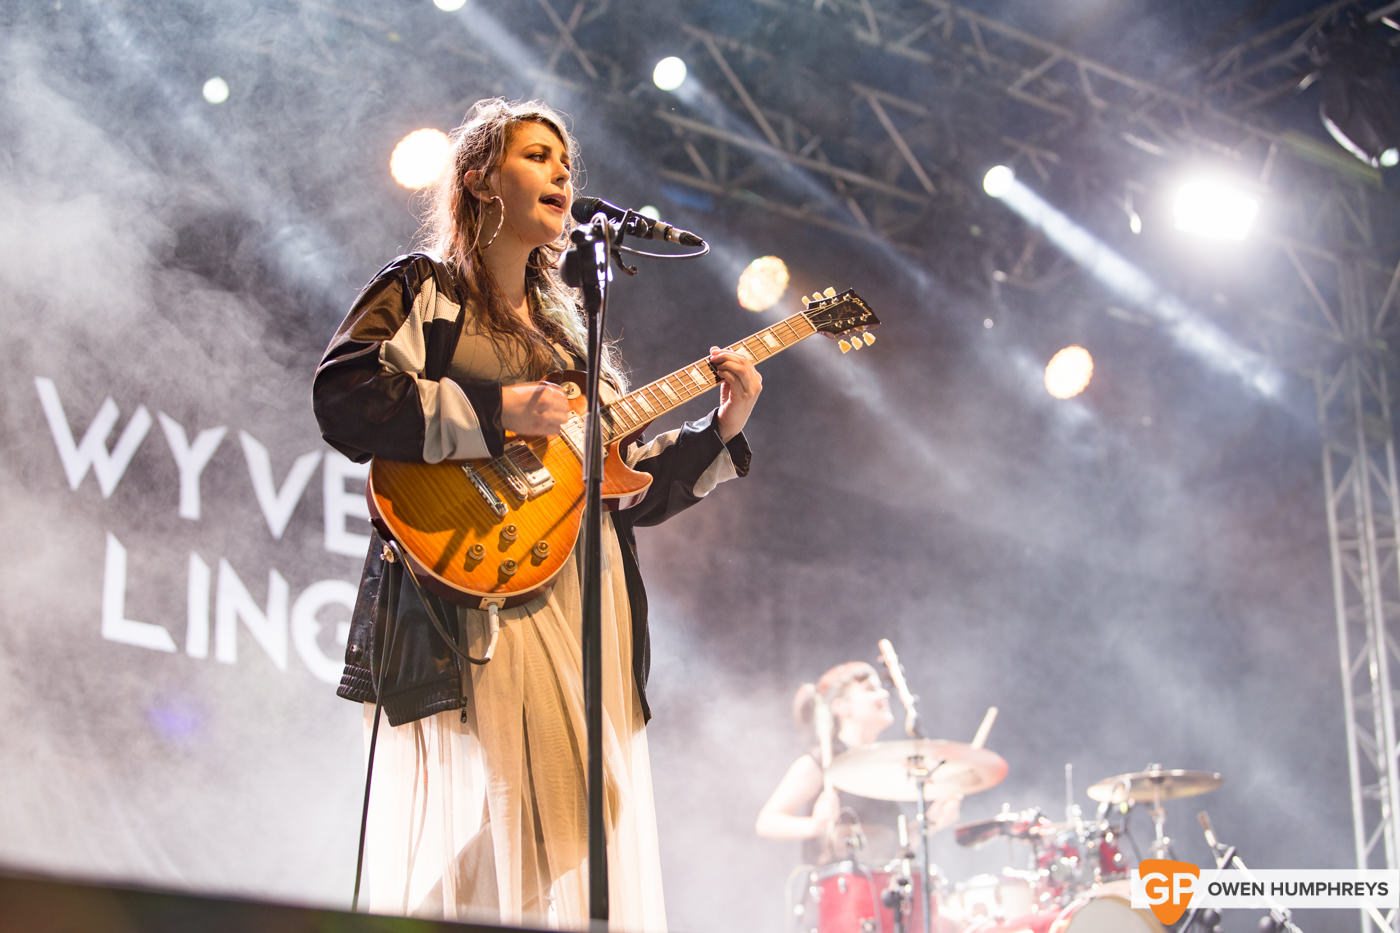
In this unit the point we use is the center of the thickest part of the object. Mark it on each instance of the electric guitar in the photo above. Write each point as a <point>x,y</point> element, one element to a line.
<point>495,531</point>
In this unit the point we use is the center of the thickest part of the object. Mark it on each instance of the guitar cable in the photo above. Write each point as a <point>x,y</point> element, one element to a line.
<point>390,615</point>
<point>428,600</point>
<point>393,555</point>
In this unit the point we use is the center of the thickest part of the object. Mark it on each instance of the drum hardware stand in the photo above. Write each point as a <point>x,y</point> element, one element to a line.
<point>898,896</point>
<point>1161,843</point>
<point>1074,815</point>
<point>920,775</point>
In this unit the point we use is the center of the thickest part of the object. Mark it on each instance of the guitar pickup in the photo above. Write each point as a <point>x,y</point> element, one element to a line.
<point>524,472</point>
<point>493,501</point>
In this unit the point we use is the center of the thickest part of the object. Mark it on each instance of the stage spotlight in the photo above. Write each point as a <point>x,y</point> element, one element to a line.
<point>216,90</point>
<point>762,284</point>
<point>449,6</point>
<point>1214,208</point>
<point>1068,372</point>
<point>420,158</point>
<point>669,73</point>
<point>1359,72</point>
<point>998,180</point>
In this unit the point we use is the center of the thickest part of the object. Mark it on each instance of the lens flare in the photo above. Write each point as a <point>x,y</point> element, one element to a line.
<point>1068,372</point>
<point>762,284</point>
<point>420,158</point>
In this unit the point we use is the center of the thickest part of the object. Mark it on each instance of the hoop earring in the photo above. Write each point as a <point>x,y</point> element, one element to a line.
<point>499,224</point>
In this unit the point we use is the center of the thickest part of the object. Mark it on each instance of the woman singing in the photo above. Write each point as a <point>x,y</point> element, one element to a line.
<point>478,809</point>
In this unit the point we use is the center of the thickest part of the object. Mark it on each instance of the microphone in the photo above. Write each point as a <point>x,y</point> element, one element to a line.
<point>633,223</point>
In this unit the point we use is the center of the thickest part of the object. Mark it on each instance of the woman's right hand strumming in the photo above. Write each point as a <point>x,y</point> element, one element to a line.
<point>534,409</point>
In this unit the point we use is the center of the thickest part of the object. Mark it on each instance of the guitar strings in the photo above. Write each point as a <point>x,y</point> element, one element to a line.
<point>686,390</point>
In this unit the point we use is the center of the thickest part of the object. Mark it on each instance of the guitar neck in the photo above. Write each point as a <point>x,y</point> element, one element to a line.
<point>651,401</point>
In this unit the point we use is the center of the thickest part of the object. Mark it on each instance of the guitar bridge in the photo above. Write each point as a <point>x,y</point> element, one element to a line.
<point>524,472</point>
<point>493,501</point>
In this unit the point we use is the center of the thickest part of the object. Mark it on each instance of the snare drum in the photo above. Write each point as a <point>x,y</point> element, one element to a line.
<point>846,897</point>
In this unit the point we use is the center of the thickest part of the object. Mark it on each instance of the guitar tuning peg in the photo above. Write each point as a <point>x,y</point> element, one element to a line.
<point>855,342</point>
<point>868,337</point>
<point>830,292</point>
<point>807,299</point>
<point>844,344</point>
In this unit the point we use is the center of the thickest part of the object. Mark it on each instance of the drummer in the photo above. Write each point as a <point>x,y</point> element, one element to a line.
<point>846,708</point>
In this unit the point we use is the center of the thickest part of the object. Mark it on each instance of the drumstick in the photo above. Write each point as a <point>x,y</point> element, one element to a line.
<point>980,739</point>
<point>825,726</point>
<point>901,687</point>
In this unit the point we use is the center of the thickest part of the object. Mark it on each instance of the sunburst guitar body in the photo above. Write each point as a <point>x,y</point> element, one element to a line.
<point>496,531</point>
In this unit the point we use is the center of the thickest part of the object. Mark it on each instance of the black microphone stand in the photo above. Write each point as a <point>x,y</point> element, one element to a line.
<point>1277,920</point>
<point>585,267</point>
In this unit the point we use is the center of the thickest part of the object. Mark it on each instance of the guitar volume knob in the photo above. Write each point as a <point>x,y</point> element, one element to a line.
<point>508,568</point>
<point>540,550</point>
<point>509,533</point>
<point>476,552</point>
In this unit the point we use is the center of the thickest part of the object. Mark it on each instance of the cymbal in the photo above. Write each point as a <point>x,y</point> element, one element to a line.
<point>1026,824</point>
<point>894,770</point>
<point>1154,784</point>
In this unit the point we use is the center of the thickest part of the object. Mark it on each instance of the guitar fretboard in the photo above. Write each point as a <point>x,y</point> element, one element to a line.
<point>654,399</point>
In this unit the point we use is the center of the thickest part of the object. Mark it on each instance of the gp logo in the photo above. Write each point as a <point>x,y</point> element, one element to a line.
<point>1168,886</point>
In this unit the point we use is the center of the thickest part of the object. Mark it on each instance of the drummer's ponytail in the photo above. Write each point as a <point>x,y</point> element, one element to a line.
<point>804,704</point>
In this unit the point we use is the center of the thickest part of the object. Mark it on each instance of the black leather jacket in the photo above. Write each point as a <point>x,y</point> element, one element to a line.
<point>361,406</point>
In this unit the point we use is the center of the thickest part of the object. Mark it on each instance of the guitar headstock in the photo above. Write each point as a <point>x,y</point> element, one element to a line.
<point>840,317</point>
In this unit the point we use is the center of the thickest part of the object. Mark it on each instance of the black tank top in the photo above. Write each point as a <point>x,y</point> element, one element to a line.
<point>867,830</point>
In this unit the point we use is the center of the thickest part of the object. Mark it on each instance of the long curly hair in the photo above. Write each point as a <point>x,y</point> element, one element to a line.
<point>453,231</point>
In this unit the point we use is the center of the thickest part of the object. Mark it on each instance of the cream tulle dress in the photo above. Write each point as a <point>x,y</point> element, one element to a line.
<point>486,820</point>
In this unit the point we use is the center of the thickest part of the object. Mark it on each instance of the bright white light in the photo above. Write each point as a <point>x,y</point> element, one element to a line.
<point>216,90</point>
<point>649,211</point>
<point>449,6</point>
<point>763,283</point>
<point>1068,372</point>
<point>998,180</point>
<point>669,73</point>
<point>1214,209</point>
<point>420,158</point>
<point>1192,330</point>
<point>1390,158</point>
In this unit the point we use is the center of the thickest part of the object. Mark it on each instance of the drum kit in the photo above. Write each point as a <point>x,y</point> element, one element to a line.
<point>1071,876</point>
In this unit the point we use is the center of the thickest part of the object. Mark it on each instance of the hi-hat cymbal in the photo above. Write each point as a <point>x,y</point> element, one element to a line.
<point>1154,784</point>
<point>895,770</point>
